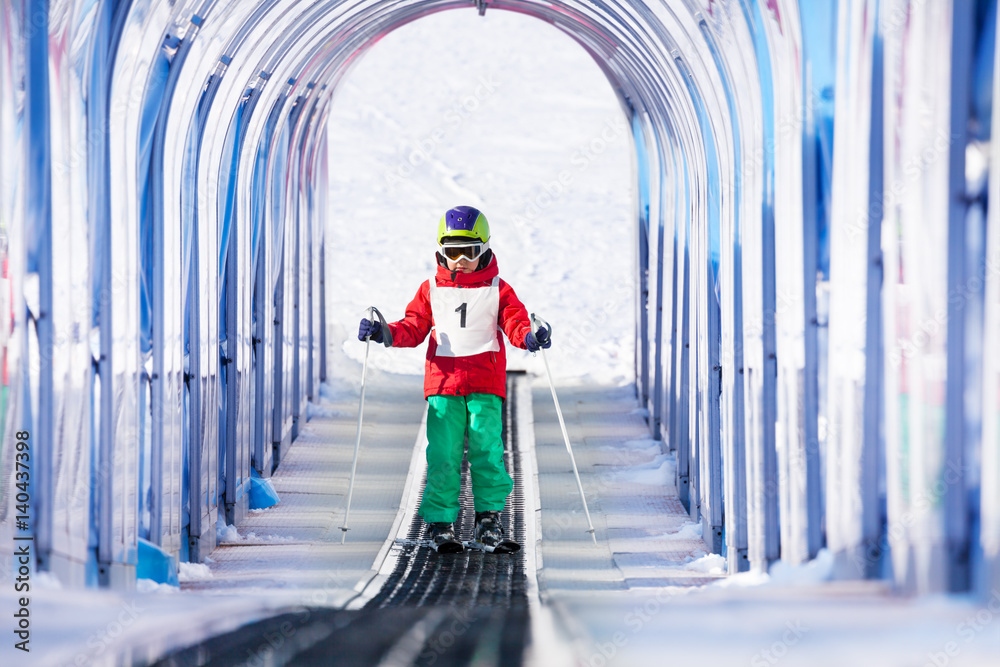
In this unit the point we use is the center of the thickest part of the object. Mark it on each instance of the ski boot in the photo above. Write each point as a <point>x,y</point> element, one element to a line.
<point>442,537</point>
<point>489,535</point>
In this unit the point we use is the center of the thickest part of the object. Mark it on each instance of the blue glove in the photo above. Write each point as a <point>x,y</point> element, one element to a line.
<point>369,329</point>
<point>538,340</point>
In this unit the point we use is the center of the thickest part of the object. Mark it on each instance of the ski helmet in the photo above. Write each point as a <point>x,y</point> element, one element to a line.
<point>464,222</point>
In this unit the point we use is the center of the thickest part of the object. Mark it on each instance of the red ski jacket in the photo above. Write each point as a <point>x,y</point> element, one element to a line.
<point>484,373</point>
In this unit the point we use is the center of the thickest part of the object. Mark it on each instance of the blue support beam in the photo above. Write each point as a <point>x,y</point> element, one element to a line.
<point>956,434</point>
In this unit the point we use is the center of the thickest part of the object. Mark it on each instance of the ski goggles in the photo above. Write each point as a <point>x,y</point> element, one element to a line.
<point>468,251</point>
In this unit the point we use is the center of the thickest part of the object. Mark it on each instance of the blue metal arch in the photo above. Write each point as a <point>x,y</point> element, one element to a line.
<point>241,120</point>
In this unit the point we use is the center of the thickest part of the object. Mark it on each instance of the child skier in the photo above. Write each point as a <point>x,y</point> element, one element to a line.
<point>466,305</point>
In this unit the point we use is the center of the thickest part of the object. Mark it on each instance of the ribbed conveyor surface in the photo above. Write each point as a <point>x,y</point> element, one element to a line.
<point>432,609</point>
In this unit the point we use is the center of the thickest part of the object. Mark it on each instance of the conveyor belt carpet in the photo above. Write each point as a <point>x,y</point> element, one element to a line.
<point>434,609</point>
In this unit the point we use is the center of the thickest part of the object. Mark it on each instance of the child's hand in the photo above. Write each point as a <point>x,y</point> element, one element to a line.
<point>369,329</point>
<point>538,340</point>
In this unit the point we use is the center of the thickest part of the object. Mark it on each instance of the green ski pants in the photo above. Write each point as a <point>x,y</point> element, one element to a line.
<point>448,417</point>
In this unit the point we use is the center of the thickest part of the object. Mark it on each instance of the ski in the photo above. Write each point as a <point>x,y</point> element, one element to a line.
<point>448,547</point>
<point>445,547</point>
<point>502,547</point>
<point>452,546</point>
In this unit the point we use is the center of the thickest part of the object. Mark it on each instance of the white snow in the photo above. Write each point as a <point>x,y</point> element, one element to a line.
<point>743,580</point>
<point>816,571</point>
<point>709,563</point>
<point>319,410</point>
<point>47,580</point>
<point>419,126</point>
<point>782,574</point>
<point>193,572</point>
<point>642,444</point>
<point>150,586</point>
<point>253,538</point>
<point>688,531</point>
<point>660,471</point>
<point>228,534</point>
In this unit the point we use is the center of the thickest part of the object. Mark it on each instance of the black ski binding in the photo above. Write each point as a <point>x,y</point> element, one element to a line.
<point>443,540</point>
<point>489,535</point>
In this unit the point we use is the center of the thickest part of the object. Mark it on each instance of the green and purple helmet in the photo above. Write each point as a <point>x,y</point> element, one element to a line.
<point>463,222</point>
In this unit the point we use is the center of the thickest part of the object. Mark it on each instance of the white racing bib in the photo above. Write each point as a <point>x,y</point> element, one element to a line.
<point>465,319</point>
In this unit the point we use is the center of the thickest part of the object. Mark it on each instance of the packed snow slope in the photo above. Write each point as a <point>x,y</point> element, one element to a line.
<point>502,112</point>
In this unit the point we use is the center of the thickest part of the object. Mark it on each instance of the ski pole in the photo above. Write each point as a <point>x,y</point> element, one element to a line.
<point>387,339</point>
<point>538,322</point>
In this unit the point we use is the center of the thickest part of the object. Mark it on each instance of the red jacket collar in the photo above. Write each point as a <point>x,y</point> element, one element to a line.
<point>447,278</point>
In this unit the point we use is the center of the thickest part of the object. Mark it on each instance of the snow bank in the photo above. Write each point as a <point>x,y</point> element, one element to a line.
<point>227,534</point>
<point>46,580</point>
<point>321,411</point>
<point>150,586</point>
<point>742,580</point>
<point>689,531</point>
<point>254,538</point>
<point>327,392</point>
<point>660,471</point>
<point>782,574</point>
<point>709,564</point>
<point>642,444</point>
<point>652,447</point>
<point>816,571</point>
<point>193,572</point>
